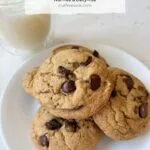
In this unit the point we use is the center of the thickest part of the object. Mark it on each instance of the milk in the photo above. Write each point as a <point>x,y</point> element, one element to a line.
<point>25,32</point>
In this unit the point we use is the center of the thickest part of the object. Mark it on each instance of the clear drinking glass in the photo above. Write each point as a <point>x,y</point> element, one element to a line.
<point>22,33</point>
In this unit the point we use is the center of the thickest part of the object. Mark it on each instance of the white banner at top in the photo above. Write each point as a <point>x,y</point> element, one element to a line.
<point>74,6</point>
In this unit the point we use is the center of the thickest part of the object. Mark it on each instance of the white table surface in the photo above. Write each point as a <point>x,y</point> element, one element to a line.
<point>130,31</point>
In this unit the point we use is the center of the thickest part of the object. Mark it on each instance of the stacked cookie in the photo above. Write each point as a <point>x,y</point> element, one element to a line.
<point>78,93</point>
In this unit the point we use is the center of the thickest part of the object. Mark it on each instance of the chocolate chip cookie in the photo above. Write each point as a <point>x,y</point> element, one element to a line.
<point>73,79</point>
<point>128,111</point>
<point>52,133</point>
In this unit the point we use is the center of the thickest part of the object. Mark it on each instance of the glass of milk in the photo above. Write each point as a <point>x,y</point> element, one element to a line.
<point>21,33</point>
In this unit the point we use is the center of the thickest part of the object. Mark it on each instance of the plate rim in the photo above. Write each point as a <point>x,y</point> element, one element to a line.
<point>2,134</point>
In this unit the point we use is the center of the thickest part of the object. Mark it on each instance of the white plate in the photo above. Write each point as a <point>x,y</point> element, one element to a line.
<point>17,108</point>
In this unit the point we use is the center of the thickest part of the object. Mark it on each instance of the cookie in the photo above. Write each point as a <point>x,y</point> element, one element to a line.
<point>52,133</point>
<point>73,79</point>
<point>128,111</point>
<point>27,82</point>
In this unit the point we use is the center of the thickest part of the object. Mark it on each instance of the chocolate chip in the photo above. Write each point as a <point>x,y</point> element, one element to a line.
<point>143,110</point>
<point>95,53</point>
<point>107,64</point>
<point>75,47</point>
<point>87,62</point>
<point>64,72</point>
<point>95,82</point>
<point>128,81</point>
<point>43,141</point>
<point>68,87</point>
<point>54,124</point>
<point>114,93</point>
<point>71,125</point>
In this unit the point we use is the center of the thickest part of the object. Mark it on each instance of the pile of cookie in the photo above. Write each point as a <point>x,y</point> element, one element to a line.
<point>80,97</point>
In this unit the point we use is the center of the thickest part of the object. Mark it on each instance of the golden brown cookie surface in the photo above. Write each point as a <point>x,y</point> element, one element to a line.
<point>128,111</point>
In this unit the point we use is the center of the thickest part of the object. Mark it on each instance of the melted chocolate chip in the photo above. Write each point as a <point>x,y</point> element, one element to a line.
<point>87,62</point>
<point>128,81</point>
<point>64,72</point>
<point>71,125</point>
<point>95,82</point>
<point>114,93</point>
<point>54,124</point>
<point>68,87</point>
<point>107,64</point>
<point>143,110</point>
<point>43,141</point>
<point>95,53</point>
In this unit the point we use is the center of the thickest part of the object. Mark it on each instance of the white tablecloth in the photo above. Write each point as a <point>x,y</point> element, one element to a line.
<point>130,31</point>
